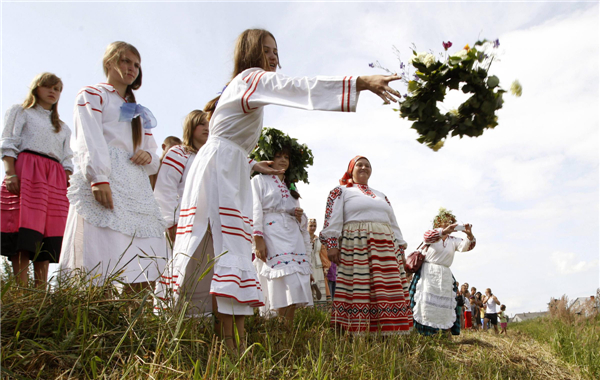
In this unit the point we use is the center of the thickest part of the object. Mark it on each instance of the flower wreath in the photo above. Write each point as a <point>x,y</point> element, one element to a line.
<point>469,68</point>
<point>443,216</point>
<point>272,141</point>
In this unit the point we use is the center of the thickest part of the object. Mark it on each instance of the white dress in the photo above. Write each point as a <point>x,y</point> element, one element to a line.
<point>218,194</point>
<point>285,277</point>
<point>435,301</point>
<point>128,241</point>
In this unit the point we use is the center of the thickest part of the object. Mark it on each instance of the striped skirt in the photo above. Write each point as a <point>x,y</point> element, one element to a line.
<point>372,291</point>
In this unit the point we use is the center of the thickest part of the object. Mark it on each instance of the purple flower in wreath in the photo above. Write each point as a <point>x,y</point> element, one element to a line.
<point>447,45</point>
<point>496,43</point>
<point>401,65</point>
<point>415,76</point>
<point>372,65</point>
<point>406,95</point>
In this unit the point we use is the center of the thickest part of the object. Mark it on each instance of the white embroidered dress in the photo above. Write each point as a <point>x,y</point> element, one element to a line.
<point>285,277</point>
<point>218,194</point>
<point>435,300</point>
<point>171,182</point>
<point>127,241</point>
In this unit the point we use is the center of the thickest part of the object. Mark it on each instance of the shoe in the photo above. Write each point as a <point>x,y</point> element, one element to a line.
<point>316,291</point>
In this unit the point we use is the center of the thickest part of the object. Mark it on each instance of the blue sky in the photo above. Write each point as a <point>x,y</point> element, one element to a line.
<point>530,187</point>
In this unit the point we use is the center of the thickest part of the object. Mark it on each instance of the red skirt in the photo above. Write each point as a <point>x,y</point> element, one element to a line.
<point>35,220</point>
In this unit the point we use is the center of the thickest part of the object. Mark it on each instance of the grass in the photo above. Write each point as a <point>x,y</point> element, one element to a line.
<point>75,332</point>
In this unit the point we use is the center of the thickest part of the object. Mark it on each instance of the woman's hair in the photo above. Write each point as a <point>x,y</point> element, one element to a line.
<point>112,55</point>
<point>192,120</point>
<point>248,53</point>
<point>288,150</point>
<point>44,80</point>
<point>444,216</point>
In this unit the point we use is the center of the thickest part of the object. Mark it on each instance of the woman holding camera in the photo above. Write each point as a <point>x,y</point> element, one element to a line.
<point>433,288</point>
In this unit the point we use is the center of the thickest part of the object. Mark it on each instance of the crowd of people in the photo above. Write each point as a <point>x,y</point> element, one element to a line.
<point>481,312</point>
<point>162,222</point>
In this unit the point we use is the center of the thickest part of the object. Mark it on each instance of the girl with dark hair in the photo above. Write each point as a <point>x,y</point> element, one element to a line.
<point>217,201</point>
<point>282,243</point>
<point>114,225</point>
<point>36,152</point>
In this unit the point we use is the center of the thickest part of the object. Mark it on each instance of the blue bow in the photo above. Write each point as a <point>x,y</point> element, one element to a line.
<point>131,110</point>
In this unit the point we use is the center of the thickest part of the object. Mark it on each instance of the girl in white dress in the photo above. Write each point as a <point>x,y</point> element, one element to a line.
<point>114,227</point>
<point>283,245</point>
<point>217,200</point>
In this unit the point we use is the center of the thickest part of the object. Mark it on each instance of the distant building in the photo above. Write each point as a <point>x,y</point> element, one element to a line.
<point>522,317</point>
<point>585,306</point>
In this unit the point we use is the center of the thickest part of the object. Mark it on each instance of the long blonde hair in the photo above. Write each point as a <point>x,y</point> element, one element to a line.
<point>192,120</point>
<point>248,53</point>
<point>44,80</point>
<point>112,55</point>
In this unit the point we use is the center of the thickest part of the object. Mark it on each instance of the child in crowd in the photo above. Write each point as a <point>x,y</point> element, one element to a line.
<point>35,149</point>
<point>503,319</point>
<point>114,224</point>
<point>169,142</point>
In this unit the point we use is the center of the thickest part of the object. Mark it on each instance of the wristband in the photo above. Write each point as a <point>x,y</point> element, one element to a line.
<point>10,176</point>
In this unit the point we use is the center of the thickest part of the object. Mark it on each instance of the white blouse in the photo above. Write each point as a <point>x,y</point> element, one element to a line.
<point>239,113</point>
<point>170,182</point>
<point>270,195</point>
<point>442,251</point>
<point>97,125</point>
<point>31,129</point>
<point>358,203</point>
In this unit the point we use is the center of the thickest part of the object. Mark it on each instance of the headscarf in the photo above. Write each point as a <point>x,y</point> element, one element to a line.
<point>347,178</point>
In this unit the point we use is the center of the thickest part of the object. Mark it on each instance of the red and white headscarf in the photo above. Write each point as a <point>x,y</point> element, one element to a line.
<point>347,178</point>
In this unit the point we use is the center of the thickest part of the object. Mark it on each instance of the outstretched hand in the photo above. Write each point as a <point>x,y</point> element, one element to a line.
<point>264,167</point>
<point>379,85</point>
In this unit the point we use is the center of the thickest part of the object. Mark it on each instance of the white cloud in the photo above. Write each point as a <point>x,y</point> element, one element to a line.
<point>567,263</point>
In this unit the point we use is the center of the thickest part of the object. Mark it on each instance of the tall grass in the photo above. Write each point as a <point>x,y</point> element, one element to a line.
<point>75,332</point>
<point>575,338</point>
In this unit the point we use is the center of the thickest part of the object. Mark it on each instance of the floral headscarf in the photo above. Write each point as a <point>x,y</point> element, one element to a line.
<point>347,178</point>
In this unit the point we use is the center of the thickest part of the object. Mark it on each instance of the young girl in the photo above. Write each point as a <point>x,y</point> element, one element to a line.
<point>281,237</point>
<point>114,225</point>
<point>503,319</point>
<point>176,166</point>
<point>219,196</point>
<point>36,152</point>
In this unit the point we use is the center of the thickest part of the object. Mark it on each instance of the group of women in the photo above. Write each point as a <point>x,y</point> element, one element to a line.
<point>114,225</point>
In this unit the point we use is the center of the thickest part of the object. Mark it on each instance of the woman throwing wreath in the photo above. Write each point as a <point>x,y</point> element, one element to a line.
<point>216,209</point>
<point>364,240</point>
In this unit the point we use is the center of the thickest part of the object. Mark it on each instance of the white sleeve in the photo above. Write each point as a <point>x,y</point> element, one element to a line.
<point>149,145</point>
<point>306,237</point>
<point>463,245</point>
<point>257,207</point>
<point>316,93</point>
<point>167,184</point>
<point>90,145</point>
<point>334,219</point>
<point>67,157</point>
<point>14,120</point>
<point>395,228</point>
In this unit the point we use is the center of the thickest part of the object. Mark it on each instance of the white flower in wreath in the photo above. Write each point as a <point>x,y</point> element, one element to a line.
<point>424,58</point>
<point>462,54</point>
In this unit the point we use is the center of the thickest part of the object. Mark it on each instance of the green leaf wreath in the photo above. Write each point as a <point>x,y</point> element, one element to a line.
<point>273,140</point>
<point>466,70</point>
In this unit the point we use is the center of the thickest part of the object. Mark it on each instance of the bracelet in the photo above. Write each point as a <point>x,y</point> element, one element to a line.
<point>10,176</point>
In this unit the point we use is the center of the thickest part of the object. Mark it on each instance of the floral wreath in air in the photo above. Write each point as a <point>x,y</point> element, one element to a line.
<point>443,216</point>
<point>273,140</point>
<point>466,70</point>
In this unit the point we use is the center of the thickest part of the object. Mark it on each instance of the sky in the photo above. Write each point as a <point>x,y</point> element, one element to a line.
<point>530,187</point>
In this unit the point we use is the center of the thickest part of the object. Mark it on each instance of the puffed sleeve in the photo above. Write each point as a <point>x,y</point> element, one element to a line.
<point>149,145</point>
<point>91,148</point>
<point>257,206</point>
<point>395,228</point>
<point>463,245</point>
<point>167,184</point>
<point>67,161</point>
<point>334,219</point>
<point>431,236</point>
<point>14,120</point>
<point>310,93</point>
